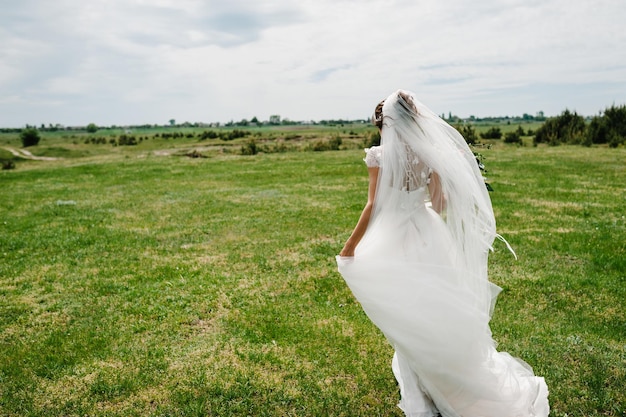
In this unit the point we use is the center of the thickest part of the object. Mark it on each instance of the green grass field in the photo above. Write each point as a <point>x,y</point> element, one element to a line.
<point>135,282</point>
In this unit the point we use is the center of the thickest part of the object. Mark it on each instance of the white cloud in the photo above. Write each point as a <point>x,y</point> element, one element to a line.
<point>140,61</point>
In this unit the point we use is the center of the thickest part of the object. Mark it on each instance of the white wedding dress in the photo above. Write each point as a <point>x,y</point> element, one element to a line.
<point>411,279</point>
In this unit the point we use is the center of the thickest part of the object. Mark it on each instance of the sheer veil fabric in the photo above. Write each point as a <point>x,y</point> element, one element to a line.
<point>421,276</point>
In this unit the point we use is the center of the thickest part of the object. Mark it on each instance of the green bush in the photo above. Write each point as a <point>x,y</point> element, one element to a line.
<point>8,165</point>
<point>335,143</point>
<point>468,132</point>
<point>513,137</point>
<point>373,139</point>
<point>320,146</point>
<point>126,140</point>
<point>609,128</point>
<point>492,133</point>
<point>29,137</point>
<point>567,128</point>
<point>327,145</point>
<point>234,134</point>
<point>208,134</point>
<point>249,148</point>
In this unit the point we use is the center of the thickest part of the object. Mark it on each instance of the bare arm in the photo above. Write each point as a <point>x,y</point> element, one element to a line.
<point>361,226</point>
<point>437,198</point>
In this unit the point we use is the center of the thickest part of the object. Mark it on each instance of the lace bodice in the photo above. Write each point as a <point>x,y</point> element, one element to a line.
<point>417,174</point>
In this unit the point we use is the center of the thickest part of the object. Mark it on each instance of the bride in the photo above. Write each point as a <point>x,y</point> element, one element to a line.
<point>417,263</point>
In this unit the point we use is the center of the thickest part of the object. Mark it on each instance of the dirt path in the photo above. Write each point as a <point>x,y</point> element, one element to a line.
<point>23,153</point>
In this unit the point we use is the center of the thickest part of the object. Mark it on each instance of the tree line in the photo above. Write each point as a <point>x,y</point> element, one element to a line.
<point>609,127</point>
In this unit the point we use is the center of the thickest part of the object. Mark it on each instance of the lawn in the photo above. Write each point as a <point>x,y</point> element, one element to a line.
<point>139,283</point>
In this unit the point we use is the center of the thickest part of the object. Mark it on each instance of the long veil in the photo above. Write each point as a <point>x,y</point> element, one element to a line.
<point>421,276</point>
<point>410,131</point>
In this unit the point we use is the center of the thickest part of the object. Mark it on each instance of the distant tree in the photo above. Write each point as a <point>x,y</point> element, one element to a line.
<point>30,137</point>
<point>172,122</point>
<point>92,128</point>
<point>567,128</point>
<point>254,120</point>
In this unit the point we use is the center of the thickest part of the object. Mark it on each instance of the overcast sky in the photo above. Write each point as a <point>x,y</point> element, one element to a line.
<point>122,62</point>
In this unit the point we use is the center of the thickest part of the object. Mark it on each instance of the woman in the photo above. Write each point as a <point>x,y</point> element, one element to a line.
<point>417,263</point>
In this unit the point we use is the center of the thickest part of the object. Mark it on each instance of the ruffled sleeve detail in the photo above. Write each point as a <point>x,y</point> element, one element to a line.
<point>373,156</point>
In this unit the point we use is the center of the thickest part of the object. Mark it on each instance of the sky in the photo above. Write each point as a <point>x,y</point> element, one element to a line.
<point>130,62</point>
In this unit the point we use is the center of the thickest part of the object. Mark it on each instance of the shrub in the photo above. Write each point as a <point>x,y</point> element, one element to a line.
<point>469,133</point>
<point>208,134</point>
<point>280,147</point>
<point>8,165</point>
<point>513,137</point>
<point>609,128</point>
<point>29,137</point>
<point>327,145</point>
<point>126,140</point>
<point>249,148</point>
<point>320,146</point>
<point>492,133</point>
<point>567,128</point>
<point>335,143</point>
<point>373,139</point>
<point>234,134</point>
<point>615,139</point>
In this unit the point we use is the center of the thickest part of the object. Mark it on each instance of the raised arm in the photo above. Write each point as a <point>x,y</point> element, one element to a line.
<point>361,226</point>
